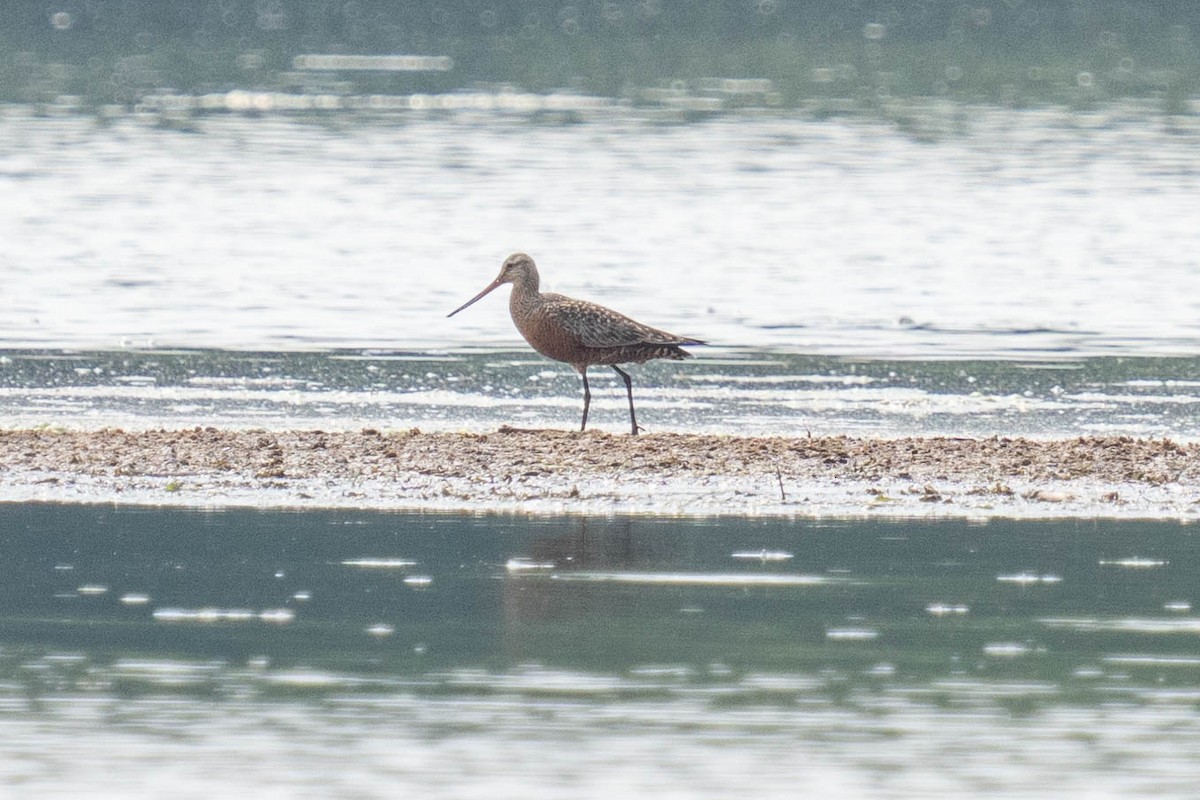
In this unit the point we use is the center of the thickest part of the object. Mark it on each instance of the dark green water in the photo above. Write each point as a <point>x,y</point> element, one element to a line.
<point>370,655</point>
<point>1012,50</point>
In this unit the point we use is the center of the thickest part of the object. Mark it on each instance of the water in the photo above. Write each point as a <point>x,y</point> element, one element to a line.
<point>374,655</point>
<point>725,392</point>
<point>1003,233</point>
<point>972,272</point>
<point>1014,272</point>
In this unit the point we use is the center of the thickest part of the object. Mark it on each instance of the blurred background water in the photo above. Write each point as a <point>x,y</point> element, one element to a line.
<point>374,655</point>
<point>1034,232</point>
<point>873,179</point>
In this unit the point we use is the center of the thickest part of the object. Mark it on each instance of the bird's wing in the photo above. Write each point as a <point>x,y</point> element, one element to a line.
<point>596,326</point>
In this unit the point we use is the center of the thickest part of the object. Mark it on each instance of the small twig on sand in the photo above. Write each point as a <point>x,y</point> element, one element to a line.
<point>779,477</point>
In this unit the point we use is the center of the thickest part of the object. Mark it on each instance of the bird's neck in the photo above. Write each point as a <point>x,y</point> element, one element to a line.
<point>525,294</point>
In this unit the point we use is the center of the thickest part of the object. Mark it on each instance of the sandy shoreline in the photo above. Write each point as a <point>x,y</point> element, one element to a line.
<point>514,470</point>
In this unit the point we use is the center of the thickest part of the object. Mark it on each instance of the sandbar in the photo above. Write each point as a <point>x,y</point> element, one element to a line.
<point>514,470</point>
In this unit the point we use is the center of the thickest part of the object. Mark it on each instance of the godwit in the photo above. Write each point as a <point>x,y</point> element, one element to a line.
<point>580,333</point>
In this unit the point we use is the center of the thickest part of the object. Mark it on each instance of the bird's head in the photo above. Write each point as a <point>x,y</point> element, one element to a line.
<point>517,268</point>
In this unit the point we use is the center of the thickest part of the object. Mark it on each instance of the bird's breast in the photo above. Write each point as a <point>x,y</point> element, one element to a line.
<point>550,339</point>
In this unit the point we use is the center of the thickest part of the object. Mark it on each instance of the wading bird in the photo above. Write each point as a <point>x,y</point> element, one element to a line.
<point>580,333</point>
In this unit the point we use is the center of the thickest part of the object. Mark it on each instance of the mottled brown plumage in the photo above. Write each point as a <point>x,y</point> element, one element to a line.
<point>580,333</point>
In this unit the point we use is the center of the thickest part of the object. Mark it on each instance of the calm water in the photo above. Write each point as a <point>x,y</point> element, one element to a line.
<point>360,654</point>
<point>995,233</point>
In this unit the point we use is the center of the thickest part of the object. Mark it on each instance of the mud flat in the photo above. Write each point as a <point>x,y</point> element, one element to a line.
<point>532,471</point>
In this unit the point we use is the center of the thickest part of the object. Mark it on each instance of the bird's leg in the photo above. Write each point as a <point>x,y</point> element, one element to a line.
<point>587,399</point>
<point>628,390</point>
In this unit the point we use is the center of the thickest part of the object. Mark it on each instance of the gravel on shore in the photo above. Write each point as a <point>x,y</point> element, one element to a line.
<point>551,470</point>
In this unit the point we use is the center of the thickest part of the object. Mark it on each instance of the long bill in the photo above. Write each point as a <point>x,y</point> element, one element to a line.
<point>476,298</point>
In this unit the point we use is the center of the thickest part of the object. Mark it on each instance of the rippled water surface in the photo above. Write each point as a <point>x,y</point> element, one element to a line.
<point>997,271</point>
<point>376,655</point>
<point>986,233</point>
<point>722,391</point>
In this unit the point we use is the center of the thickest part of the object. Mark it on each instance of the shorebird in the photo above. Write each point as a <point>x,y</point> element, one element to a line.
<point>580,333</point>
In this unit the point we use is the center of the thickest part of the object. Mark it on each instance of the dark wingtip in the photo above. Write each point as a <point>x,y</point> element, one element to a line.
<point>693,342</point>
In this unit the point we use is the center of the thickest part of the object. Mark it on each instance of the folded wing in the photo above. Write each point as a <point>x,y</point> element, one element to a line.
<point>597,326</point>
